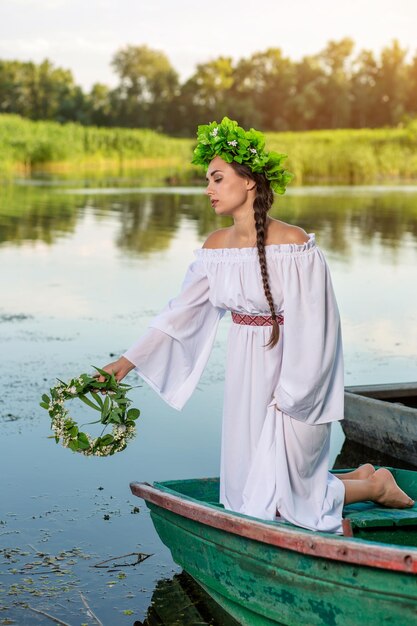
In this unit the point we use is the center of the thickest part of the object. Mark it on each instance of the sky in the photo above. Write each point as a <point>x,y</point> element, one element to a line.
<point>83,35</point>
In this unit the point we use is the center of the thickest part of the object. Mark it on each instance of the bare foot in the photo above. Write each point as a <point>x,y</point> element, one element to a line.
<point>388,492</point>
<point>362,472</point>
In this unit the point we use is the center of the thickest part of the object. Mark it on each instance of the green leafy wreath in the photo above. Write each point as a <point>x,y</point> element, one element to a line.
<point>231,142</point>
<point>114,410</point>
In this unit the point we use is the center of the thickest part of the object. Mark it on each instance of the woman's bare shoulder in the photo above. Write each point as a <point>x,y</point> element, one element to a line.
<point>280,232</point>
<point>216,239</point>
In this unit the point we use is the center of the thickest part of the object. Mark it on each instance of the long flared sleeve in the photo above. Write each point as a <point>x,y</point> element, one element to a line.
<point>311,387</point>
<point>172,353</point>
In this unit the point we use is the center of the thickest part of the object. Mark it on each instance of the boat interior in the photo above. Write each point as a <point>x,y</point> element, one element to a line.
<point>405,394</point>
<point>365,520</point>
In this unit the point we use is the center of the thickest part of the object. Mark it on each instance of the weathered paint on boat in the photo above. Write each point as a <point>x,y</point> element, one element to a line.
<point>383,417</point>
<point>266,573</point>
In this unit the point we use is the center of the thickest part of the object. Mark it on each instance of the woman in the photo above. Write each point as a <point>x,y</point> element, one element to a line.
<point>284,370</point>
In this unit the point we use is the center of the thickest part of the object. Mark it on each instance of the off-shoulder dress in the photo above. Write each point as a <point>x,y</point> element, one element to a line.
<point>278,403</point>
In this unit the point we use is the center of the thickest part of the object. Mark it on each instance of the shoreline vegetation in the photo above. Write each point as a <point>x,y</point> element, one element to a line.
<point>338,156</point>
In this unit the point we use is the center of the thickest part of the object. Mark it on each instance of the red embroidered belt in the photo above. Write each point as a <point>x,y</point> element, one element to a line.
<point>255,320</point>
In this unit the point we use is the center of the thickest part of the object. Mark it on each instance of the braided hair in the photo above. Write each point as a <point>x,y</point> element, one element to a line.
<point>262,203</point>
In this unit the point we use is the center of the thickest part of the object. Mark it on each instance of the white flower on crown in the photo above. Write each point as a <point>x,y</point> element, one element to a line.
<point>214,132</point>
<point>232,143</point>
<point>253,150</point>
<point>62,423</point>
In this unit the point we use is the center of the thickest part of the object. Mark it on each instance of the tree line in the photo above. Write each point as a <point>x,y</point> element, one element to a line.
<point>334,88</point>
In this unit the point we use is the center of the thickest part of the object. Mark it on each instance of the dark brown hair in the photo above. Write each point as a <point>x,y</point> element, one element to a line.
<point>262,203</point>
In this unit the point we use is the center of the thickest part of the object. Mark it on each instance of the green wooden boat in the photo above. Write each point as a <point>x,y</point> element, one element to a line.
<point>268,573</point>
<point>383,417</point>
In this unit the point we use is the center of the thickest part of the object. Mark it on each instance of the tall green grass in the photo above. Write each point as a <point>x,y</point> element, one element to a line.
<point>334,156</point>
<point>350,156</point>
<point>28,144</point>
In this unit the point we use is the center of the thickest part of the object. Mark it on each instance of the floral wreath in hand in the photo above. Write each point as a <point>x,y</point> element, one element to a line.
<point>113,409</point>
<point>231,142</point>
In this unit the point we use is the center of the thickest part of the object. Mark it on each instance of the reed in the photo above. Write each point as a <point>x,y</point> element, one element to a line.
<point>350,156</point>
<point>316,157</point>
<point>25,144</point>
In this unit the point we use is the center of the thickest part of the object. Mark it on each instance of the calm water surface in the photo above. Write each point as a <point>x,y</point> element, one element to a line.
<point>83,270</point>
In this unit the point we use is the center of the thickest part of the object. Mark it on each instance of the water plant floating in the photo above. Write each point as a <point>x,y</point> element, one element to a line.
<point>113,408</point>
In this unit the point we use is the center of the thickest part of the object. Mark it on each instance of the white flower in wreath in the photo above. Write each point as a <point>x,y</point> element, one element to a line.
<point>253,150</point>
<point>214,132</point>
<point>65,429</point>
<point>232,143</point>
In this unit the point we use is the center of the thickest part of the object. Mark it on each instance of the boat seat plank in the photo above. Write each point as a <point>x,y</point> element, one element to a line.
<point>368,515</point>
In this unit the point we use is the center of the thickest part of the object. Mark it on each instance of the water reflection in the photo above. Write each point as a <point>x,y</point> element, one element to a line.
<point>30,214</point>
<point>371,214</point>
<point>148,221</point>
<point>181,602</point>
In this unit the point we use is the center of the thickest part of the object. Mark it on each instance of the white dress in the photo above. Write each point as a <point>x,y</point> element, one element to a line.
<point>279,403</point>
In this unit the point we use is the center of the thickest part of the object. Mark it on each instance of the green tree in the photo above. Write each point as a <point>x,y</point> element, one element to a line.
<point>17,81</point>
<point>148,84</point>
<point>308,98</point>
<point>100,105</point>
<point>205,95</point>
<point>335,110</point>
<point>53,89</point>
<point>267,81</point>
<point>40,92</point>
<point>411,81</point>
<point>392,88</point>
<point>364,90</point>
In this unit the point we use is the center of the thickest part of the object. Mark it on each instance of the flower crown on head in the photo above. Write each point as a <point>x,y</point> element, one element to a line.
<point>231,142</point>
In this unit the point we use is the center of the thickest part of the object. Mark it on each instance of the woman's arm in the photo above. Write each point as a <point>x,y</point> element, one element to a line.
<point>172,353</point>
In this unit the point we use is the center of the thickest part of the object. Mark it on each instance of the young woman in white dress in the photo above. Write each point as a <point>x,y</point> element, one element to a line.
<point>284,366</point>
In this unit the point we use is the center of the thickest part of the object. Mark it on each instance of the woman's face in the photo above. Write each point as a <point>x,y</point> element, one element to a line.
<point>227,191</point>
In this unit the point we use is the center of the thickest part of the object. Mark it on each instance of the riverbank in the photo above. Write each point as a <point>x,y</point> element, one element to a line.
<point>370,156</point>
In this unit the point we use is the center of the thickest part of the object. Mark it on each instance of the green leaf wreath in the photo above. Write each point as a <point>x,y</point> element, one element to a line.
<point>108,398</point>
<point>231,142</point>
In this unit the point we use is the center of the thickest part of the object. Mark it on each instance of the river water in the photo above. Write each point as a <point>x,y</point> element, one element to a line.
<point>82,271</point>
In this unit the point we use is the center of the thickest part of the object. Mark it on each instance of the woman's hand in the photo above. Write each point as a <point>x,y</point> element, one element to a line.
<point>119,368</point>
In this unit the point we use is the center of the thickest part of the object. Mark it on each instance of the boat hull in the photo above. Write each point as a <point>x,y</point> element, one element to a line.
<point>261,585</point>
